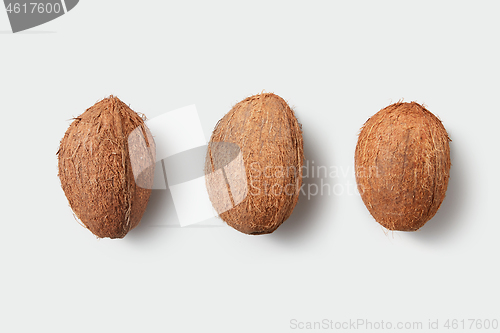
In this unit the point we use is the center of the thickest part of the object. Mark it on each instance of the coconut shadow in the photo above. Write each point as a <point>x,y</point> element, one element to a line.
<point>303,220</point>
<point>160,208</point>
<point>444,224</point>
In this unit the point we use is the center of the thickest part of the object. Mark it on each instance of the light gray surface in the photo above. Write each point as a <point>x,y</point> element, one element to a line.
<point>337,63</point>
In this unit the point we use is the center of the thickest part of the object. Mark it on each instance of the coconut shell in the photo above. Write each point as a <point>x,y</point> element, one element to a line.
<point>402,164</point>
<point>96,160</point>
<point>257,194</point>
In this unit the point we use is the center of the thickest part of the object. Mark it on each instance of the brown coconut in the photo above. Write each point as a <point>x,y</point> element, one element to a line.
<point>402,163</point>
<point>256,197</point>
<point>96,160</point>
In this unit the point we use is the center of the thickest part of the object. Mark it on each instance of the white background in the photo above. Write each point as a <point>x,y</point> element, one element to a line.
<point>337,63</point>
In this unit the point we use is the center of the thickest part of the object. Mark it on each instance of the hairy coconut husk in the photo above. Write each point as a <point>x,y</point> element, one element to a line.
<point>95,167</point>
<point>258,190</point>
<point>402,163</point>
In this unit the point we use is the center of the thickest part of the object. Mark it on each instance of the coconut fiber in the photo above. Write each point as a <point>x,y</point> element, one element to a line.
<point>95,168</point>
<point>265,189</point>
<point>402,163</point>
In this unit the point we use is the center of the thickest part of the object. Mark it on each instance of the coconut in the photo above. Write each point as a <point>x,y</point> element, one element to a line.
<point>106,167</point>
<point>254,164</point>
<point>402,163</point>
